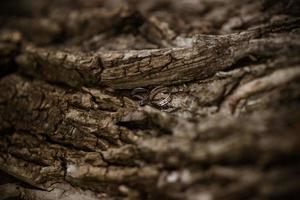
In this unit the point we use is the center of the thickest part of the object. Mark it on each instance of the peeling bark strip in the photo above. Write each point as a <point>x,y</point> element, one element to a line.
<point>130,69</point>
<point>126,100</point>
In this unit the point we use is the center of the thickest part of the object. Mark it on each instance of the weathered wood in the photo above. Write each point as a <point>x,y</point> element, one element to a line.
<point>199,58</point>
<point>116,100</point>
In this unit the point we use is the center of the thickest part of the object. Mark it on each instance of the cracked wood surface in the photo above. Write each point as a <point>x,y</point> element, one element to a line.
<point>131,69</point>
<point>126,100</point>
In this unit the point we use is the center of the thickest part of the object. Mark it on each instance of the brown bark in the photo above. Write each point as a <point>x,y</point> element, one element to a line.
<point>150,100</point>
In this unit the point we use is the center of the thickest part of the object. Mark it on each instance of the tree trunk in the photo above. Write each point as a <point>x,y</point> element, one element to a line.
<point>159,99</point>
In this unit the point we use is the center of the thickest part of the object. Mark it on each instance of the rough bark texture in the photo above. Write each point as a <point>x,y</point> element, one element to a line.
<point>164,99</point>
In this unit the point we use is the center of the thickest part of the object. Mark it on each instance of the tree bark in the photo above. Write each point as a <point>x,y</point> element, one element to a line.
<point>150,100</point>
